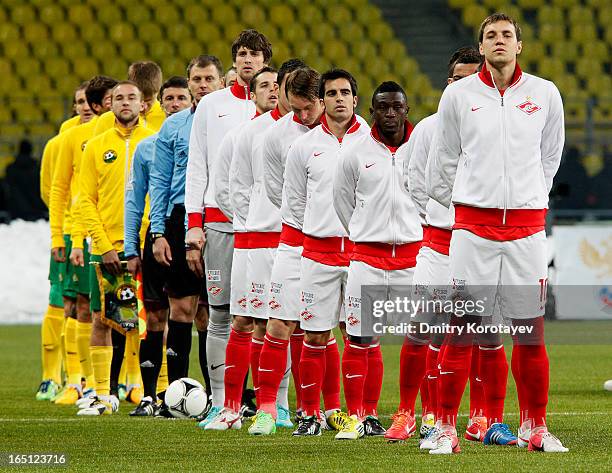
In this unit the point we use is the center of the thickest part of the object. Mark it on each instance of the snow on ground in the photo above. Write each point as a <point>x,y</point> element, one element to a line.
<point>24,271</point>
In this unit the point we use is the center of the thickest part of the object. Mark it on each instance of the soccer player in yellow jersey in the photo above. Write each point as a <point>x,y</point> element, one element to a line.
<point>106,166</point>
<point>68,239</point>
<point>148,76</point>
<point>54,317</point>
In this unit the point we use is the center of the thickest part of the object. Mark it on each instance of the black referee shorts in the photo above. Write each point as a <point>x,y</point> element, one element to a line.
<point>153,278</point>
<point>180,281</point>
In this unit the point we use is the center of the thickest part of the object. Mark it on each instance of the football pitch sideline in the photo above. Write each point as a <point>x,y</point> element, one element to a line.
<point>580,414</point>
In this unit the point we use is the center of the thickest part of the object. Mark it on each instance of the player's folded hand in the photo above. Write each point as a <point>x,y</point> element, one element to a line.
<point>111,262</point>
<point>162,251</point>
<point>134,265</point>
<point>77,258</point>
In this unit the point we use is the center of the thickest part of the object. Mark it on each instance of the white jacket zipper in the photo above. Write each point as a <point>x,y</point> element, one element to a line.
<point>504,141</point>
<point>393,201</point>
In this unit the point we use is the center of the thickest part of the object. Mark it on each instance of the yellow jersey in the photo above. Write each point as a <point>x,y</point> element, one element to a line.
<point>105,171</point>
<point>64,187</point>
<point>71,122</point>
<point>47,165</point>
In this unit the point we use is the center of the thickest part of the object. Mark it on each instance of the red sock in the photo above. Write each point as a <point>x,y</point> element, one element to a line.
<point>431,376</point>
<point>272,363</point>
<point>520,386</point>
<point>453,378</point>
<point>494,376</point>
<point>534,372</point>
<point>412,371</point>
<point>373,382</point>
<point>477,395</point>
<point>355,370</point>
<point>237,355</point>
<point>312,371</point>
<point>439,394</point>
<point>296,342</point>
<point>256,347</point>
<point>331,380</point>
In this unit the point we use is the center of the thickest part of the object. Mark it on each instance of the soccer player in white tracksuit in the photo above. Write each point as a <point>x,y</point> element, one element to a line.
<point>382,220</point>
<point>431,278</point>
<point>264,91</point>
<point>309,173</point>
<point>299,90</point>
<point>499,142</point>
<point>216,114</point>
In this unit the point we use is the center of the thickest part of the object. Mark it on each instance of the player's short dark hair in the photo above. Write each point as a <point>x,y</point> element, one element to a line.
<point>334,74</point>
<point>494,18</point>
<point>304,83</point>
<point>205,60</point>
<point>97,88</point>
<point>288,67</point>
<point>255,79</point>
<point>465,55</point>
<point>255,41</point>
<point>128,82</point>
<point>389,86</point>
<point>178,82</point>
<point>82,86</point>
<point>147,75</point>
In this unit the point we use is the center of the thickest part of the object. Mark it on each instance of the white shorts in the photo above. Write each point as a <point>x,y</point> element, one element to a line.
<point>322,295</point>
<point>513,273</point>
<point>239,286</point>
<point>389,285</point>
<point>218,255</point>
<point>258,272</point>
<point>285,283</point>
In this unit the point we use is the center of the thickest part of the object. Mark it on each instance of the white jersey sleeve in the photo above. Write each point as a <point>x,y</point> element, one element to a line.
<point>295,185</point>
<point>241,178</point>
<point>447,147</point>
<point>196,181</point>
<point>553,137</point>
<point>273,169</point>
<point>222,176</point>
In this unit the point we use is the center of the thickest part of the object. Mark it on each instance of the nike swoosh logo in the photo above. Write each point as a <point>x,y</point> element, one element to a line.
<point>370,165</point>
<point>221,115</point>
<point>307,385</point>
<point>230,366</point>
<point>318,154</point>
<point>213,367</point>
<point>475,108</point>
<point>446,372</point>
<point>263,369</point>
<point>351,376</point>
<point>431,377</point>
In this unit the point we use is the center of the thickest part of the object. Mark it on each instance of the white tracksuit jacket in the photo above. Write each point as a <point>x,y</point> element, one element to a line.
<point>277,142</point>
<point>309,178</point>
<point>498,151</point>
<point>369,194</point>
<point>222,176</point>
<point>415,174</point>
<point>216,114</point>
<point>248,194</point>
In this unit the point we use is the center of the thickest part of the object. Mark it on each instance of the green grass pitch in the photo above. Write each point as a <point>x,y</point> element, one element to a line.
<point>580,414</point>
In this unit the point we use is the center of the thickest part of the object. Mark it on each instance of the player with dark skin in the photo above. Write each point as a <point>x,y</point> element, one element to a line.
<point>389,111</point>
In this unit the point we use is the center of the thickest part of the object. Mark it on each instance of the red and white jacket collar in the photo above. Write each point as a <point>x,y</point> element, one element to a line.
<point>486,76</point>
<point>275,114</point>
<point>408,127</point>
<point>239,91</point>
<point>353,126</point>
